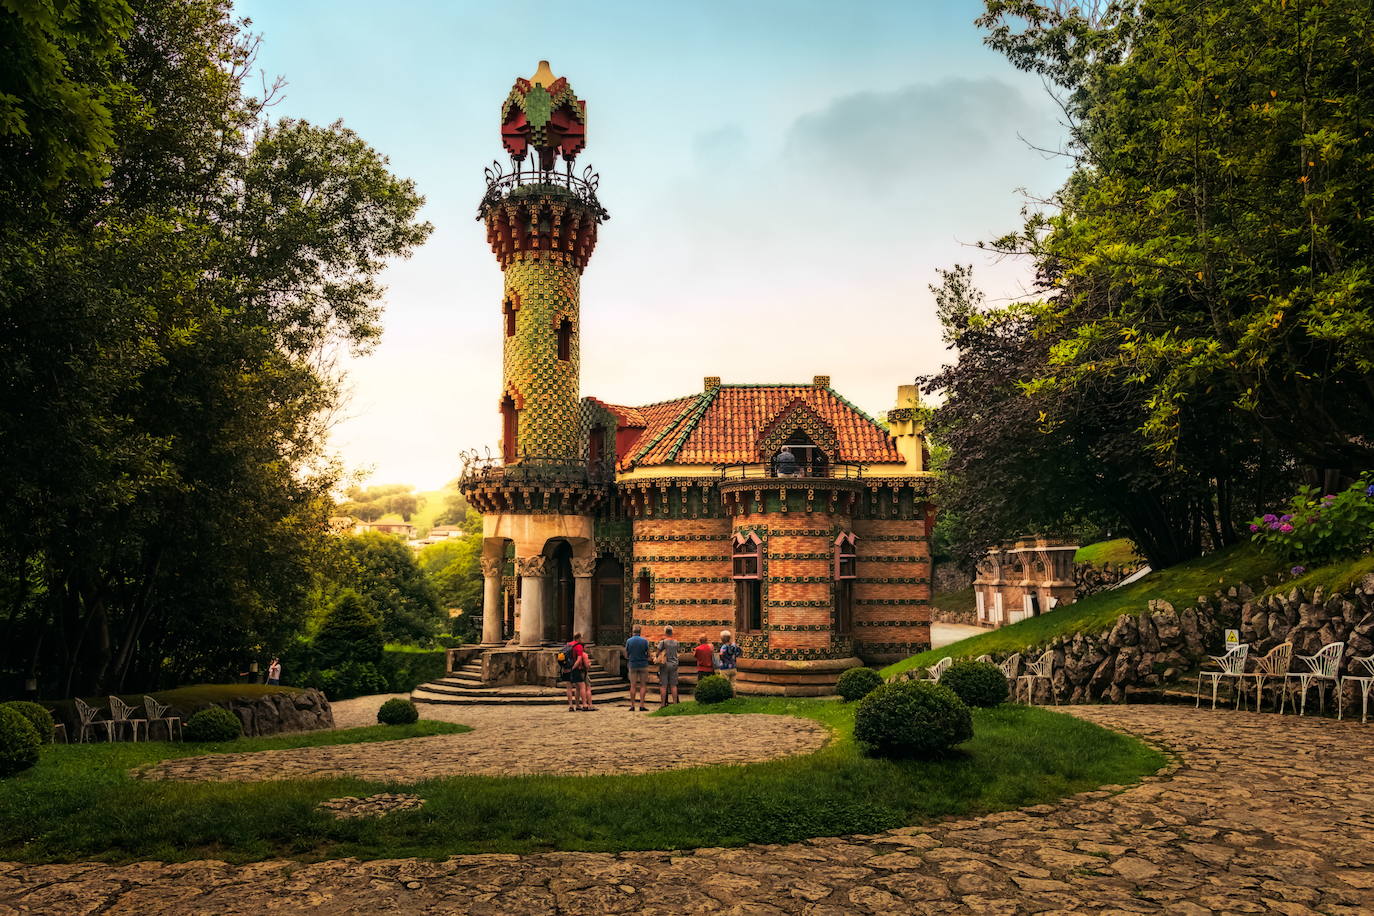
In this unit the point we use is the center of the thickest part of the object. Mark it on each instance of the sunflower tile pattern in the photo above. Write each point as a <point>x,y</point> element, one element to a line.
<point>542,385</point>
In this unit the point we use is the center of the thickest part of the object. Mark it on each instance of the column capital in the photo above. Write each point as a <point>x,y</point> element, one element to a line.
<point>584,569</point>
<point>491,568</point>
<point>532,566</point>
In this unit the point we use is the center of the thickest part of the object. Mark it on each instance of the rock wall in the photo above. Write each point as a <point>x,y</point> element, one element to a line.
<point>948,577</point>
<point>275,713</point>
<point>1090,579</point>
<point>1148,649</point>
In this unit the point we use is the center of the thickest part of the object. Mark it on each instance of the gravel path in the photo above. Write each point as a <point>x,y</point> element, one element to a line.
<point>506,742</point>
<point>1264,815</point>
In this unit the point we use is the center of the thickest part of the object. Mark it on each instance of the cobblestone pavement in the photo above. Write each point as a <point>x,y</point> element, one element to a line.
<point>507,742</point>
<point>1264,815</point>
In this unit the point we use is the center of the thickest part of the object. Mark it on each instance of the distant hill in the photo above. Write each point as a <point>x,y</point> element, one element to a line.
<point>429,505</point>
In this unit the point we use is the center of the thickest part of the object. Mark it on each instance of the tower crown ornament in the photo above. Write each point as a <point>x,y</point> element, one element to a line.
<point>544,113</point>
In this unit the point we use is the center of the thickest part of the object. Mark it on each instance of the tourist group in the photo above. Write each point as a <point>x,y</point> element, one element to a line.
<point>574,664</point>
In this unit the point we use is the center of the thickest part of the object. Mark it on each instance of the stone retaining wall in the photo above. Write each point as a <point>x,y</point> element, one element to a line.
<point>276,713</point>
<point>1149,649</point>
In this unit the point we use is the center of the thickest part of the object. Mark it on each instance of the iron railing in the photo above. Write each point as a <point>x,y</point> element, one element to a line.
<point>532,469</point>
<point>500,183</point>
<point>837,470</point>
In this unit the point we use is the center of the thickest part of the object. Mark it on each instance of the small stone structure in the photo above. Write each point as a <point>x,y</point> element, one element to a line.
<point>372,806</point>
<point>1024,578</point>
<point>275,713</point>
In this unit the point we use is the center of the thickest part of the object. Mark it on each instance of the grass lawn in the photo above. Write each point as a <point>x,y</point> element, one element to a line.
<point>1334,577</point>
<point>960,602</point>
<point>1181,585</point>
<point>1119,552</point>
<point>79,802</point>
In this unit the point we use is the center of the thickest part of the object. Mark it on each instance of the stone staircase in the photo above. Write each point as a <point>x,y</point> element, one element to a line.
<point>464,687</point>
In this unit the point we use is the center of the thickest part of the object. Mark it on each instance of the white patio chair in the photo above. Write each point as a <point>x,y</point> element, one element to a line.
<point>1042,669</point>
<point>157,712</point>
<point>1011,666</point>
<point>937,670</point>
<point>1273,665</point>
<point>1320,669</point>
<point>1232,664</point>
<point>90,718</point>
<point>119,715</point>
<point>1365,680</point>
<point>985,659</point>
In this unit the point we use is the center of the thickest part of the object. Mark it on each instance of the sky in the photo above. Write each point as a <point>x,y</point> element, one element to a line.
<point>784,181</point>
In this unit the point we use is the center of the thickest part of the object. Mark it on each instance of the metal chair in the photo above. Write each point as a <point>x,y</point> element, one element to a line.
<point>1038,670</point>
<point>119,715</point>
<point>1010,666</point>
<point>1273,664</point>
<point>985,659</point>
<point>1232,664</point>
<point>937,670</point>
<point>157,712</point>
<point>1365,682</point>
<point>1322,667</point>
<point>90,718</point>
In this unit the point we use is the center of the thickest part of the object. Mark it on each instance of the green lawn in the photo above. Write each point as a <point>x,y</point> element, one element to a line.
<point>1181,585</point>
<point>1334,577</point>
<point>1120,552</point>
<point>79,803</point>
<point>958,602</point>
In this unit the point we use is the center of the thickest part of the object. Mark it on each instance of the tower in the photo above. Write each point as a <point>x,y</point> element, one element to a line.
<point>541,225</point>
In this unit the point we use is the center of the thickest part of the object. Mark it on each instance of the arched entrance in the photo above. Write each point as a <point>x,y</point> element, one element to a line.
<point>560,621</point>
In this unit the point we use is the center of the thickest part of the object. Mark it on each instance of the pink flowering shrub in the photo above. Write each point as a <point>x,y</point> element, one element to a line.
<point>1318,528</point>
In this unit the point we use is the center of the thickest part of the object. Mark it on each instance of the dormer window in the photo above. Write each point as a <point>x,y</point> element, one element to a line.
<point>800,457</point>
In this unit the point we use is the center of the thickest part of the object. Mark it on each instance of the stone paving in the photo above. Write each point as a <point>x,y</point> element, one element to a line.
<point>1263,815</point>
<point>546,740</point>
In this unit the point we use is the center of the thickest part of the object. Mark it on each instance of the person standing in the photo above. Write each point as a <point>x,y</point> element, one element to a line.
<point>729,656</point>
<point>582,668</point>
<point>668,649</point>
<point>705,654</point>
<point>274,671</point>
<point>637,659</point>
<point>567,664</point>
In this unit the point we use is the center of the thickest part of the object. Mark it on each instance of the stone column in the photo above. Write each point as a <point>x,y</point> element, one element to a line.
<point>582,571</point>
<point>532,572</point>
<point>491,602</point>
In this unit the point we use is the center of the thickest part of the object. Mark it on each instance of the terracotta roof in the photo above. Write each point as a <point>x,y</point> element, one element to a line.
<point>724,425</point>
<point>627,417</point>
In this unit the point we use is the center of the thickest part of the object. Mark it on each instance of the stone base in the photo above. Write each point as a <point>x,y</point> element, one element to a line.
<point>516,665</point>
<point>773,677</point>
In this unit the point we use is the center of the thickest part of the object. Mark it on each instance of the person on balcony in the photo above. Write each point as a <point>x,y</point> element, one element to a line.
<point>785,464</point>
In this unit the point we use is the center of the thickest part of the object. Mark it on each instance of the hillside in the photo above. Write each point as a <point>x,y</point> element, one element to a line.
<point>1180,585</point>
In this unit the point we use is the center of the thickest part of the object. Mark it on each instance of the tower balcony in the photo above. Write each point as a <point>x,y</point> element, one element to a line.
<point>541,213</point>
<point>501,185</point>
<point>770,486</point>
<point>541,484</point>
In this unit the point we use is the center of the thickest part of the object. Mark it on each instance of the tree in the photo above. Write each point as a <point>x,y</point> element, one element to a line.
<point>350,634</point>
<point>455,569</point>
<point>385,573</point>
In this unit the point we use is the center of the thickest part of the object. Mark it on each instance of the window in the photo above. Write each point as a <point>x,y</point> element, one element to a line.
<point>845,556</point>
<point>610,584</point>
<point>846,563</point>
<point>509,308</point>
<point>596,448</point>
<point>746,571</point>
<point>564,339</point>
<point>643,590</point>
<point>510,429</point>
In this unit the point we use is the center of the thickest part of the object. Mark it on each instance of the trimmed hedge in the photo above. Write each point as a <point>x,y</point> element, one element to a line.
<point>409,668</point>
<point>976,683</point>
<point>857,683</point>
<point>713,689</point>
<point>18,742</point>
<point>38,717</point>
<point>397,711</point>
<point>911,719</point>
<point>213,724</point>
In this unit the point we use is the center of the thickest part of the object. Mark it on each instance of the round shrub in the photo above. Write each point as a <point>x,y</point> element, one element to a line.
<point>857,683</point>
<point>38,717</point>
<point>911,719</point>
<point>18,742</point>
<point>976,683</point>
<point>397,711</point>
<point>213,724</point>
<point>713,689</point>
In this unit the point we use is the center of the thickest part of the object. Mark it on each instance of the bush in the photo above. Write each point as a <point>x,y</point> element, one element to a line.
<point>911,719</point>
<point>213,724</point>
<point>18,742</point>
<point>38,717</point>
<point>1317,529</point>
<point>349,634</point>
<point>713,689</point>
<point>976,683</point>
<point>397,711</point>
<point>857,683</point>
<point>406,668</point>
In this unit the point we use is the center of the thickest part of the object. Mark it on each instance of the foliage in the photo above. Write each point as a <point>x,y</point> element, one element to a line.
<point>397,711</point>
<point>19,742</point>
<point>81,802</point>
<point>383,570</point>
<point>1333,578</point>
<point>1180,585</point>
<point>213,724</point>
<point>713,689</point>
<point>857,683</point>
<point>1314,529</point>
<point>911,719</point>
<point>351,679</point>
<point>350,634</point>
<point>407,668</point>
<point>1118,552</point>
<point>373,502</point>
<point>976,683</point>
<point>454,568</point>
<point>38,717</point>
<point>167,341</point>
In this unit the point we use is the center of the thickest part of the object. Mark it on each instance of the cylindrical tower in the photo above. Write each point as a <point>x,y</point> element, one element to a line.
<point>541,224</point>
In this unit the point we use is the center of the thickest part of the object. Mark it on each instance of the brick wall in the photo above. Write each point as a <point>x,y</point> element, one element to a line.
<point>676,551</point>
<point>892,595</point>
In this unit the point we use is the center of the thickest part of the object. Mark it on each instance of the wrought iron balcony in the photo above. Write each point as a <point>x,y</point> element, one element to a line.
<point>532,470</point>
<point>769,470</point>
<point>501,183</point>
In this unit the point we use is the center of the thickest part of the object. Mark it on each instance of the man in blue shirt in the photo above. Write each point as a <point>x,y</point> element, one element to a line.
<point>637,657</point>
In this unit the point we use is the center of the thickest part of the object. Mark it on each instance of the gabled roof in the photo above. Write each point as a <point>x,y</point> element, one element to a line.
<point>626,417</point>
<point>725,424</point>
